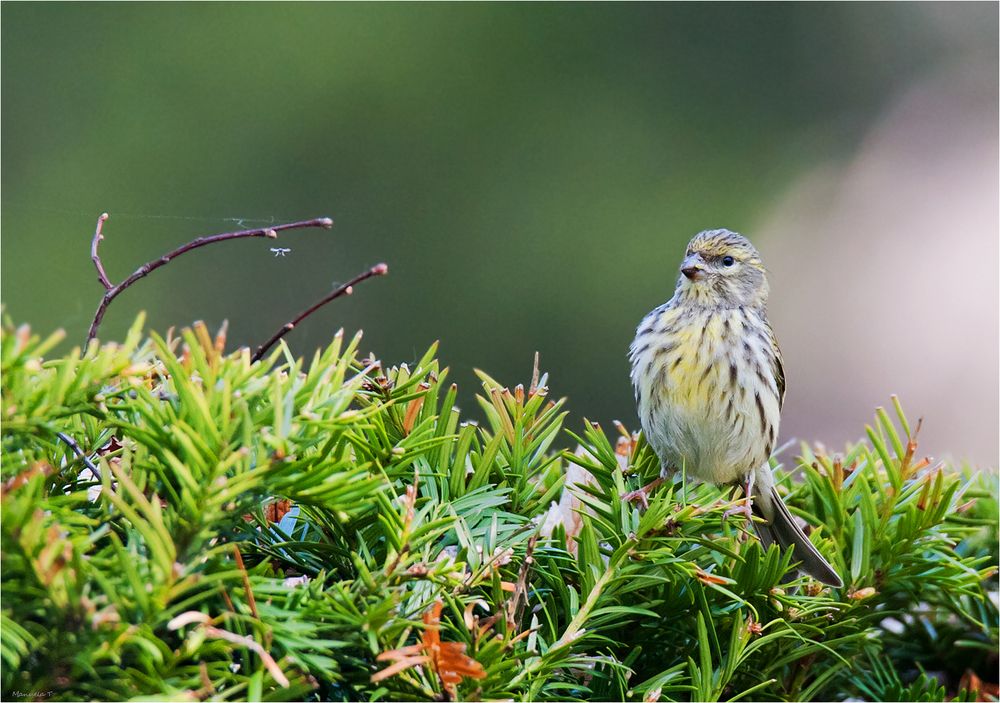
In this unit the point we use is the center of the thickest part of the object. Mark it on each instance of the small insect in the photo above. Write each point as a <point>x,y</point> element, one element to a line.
<point>279,251</point>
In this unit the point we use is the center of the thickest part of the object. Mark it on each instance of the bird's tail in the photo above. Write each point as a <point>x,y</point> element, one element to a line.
<point>779,527</point>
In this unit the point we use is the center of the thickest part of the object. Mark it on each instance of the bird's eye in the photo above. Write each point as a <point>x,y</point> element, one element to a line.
<point>728,261</point>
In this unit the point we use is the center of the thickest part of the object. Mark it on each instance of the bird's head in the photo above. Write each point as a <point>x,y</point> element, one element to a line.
<point>722,268</point>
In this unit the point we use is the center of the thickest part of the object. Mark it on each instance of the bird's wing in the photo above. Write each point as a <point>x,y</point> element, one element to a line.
<point>779,377</point>
<point>776,368</point>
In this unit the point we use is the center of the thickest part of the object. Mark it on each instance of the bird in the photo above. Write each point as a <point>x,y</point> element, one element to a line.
<point>709,385</point>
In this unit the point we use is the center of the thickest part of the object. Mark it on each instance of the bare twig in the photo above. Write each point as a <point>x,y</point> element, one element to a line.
<point>95,257</point>
<point>207,687</point>
<point>246,581</point>
<point>533,388</point>
<point>79,452</point>
<point>345,289</point>
<point>113,292</point>
<point>253,645</point>
<point>516,604</point>
<point>206,625</point>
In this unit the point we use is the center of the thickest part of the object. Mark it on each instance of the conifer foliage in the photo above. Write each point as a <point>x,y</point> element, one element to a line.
<point>182,523</point>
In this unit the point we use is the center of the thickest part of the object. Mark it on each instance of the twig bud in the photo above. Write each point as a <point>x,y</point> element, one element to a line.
<point>326,222</point>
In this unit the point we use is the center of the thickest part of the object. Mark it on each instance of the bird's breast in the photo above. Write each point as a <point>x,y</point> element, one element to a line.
<point>695,392</point>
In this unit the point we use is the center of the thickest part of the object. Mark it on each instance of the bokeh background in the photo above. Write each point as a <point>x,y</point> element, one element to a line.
<point>531,173</point>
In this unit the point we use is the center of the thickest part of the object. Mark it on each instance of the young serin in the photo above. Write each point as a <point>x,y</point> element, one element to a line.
<point>709,384</point>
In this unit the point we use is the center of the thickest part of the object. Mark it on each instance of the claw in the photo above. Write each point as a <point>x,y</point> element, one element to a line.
<point>641,496</point>
<point>743,506</point>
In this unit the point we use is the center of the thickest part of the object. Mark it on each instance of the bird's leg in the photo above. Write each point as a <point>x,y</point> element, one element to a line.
<point>746,503</point>
<point>641,496</point>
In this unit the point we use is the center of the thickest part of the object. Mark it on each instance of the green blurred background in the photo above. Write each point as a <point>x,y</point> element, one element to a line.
<point>530,172</point>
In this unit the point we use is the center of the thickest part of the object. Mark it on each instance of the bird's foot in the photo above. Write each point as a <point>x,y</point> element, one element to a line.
<point>742,507</point>
<point>641,496</point>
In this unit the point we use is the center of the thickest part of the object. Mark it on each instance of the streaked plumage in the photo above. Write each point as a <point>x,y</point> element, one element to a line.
<point>709,382</point>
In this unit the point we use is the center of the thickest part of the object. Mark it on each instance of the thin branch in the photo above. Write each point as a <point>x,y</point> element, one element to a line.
<point>515,606</point>
<point>533,388</point>
<point>102,276</point>
<point>80,453</point>
<point>113,292</point>
<point>346,289</point>
<point>253,645</point>
<point>246,581</point>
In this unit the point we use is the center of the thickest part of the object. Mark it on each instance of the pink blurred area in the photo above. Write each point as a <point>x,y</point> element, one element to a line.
<point>884,276</point>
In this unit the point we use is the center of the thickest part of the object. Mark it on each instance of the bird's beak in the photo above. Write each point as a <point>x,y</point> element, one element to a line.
<point>693,267</point>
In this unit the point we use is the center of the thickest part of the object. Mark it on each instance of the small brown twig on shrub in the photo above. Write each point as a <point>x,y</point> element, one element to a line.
<point>113,291</point>
<point>345,289</point>
<point>71,443</point>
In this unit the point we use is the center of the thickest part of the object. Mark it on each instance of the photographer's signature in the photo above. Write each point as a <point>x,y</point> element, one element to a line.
<point>32,694</point>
